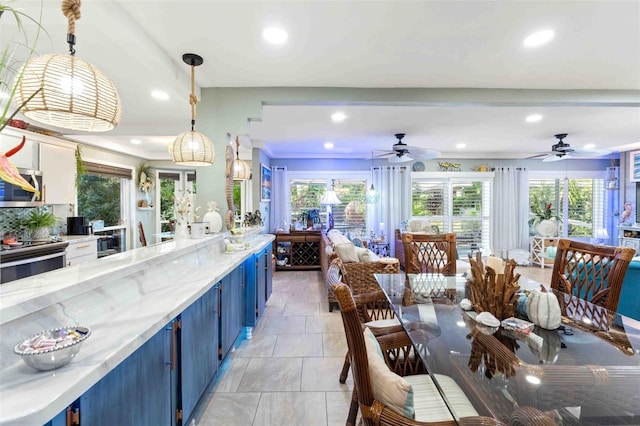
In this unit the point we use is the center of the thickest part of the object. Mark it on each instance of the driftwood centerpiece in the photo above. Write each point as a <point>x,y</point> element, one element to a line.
<point>493,291</point>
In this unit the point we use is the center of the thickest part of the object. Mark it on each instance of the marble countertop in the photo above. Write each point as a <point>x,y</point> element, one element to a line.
<point>125,299</point>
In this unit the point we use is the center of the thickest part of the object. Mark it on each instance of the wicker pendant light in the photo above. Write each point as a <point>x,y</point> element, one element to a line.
<point>241,170</point>
<point>66,91</point>
<point>192,148</point>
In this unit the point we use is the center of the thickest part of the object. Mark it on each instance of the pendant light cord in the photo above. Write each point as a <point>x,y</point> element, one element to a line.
<point>71,10</point>
<point>237,148</point>
<point>193,100</point>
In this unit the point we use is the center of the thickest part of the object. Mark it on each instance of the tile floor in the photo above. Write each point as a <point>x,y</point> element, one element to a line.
<point>287,372</point>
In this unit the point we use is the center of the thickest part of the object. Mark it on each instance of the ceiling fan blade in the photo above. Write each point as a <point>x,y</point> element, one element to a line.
<point>384,155</point>
<point>423,153</point>
<point>554,157</point>
<point>581,152</point>
<point>536,156</point>
<point>401,159</point>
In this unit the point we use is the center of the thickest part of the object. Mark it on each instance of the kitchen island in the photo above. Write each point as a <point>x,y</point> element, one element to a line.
<point>138,304</point>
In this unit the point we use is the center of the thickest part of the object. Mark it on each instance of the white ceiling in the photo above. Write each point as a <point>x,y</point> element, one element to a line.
<point>365,44</point>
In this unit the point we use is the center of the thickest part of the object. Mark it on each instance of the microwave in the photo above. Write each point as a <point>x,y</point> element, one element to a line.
<point>13,196</point>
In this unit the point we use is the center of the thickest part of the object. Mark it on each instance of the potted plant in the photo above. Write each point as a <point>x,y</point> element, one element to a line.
<point>545,220</point>
<point>38,223</point>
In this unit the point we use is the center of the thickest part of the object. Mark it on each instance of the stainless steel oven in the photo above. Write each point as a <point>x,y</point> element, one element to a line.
<point>31,259</point>
<point>13,196</point>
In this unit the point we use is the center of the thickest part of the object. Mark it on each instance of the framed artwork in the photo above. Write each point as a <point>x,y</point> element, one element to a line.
<point>634,166</point>
<point>265,183</point>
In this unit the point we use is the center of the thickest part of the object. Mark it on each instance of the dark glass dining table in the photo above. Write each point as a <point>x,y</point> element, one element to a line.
<point>585,372</point>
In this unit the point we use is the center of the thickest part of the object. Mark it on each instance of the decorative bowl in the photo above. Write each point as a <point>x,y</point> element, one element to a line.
<point>52,348</point>
<point>281,262</point>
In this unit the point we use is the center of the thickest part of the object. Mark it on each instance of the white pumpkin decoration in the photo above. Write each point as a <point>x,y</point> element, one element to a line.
<point>543,309</point>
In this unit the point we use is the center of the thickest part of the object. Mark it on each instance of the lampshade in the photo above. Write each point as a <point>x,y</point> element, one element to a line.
<point>192,148</point>
<point>69,92</point>
<point>241,170</point>
<point>372,195</point>
<point>329,198</point>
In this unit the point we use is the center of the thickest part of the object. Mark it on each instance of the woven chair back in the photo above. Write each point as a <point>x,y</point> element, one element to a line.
<point>591,272</point>
<point>430,253</point>
<point>357,349</point>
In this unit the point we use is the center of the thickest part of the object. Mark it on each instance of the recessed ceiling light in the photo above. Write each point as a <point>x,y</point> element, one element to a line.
<point>328,145</point>
<point>590,146</point>
<point>533,118</point>
<point>539,38</point>
<point>275,35</point>
<point>160,95</point>
<point>338,116</point>
<point>461,145</point>
<point>135,141</point>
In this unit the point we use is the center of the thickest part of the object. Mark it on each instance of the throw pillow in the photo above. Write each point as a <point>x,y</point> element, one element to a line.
<point>389,388</point>
<point>347,252</point>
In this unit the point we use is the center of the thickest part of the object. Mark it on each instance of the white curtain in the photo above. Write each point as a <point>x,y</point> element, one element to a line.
<point>280,213</point>
<point>510,210</point>
<point>394,204</point>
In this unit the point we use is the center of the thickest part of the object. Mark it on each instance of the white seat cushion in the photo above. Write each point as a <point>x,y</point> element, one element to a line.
<point>389,388</point>
<point>428,403</point>
<point>382,323</point>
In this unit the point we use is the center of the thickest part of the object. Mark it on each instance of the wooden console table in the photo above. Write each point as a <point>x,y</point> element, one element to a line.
<point>301,249</point>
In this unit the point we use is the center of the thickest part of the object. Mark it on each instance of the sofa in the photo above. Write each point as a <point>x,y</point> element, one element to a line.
<point>357,264</point>
<point>629,304</point>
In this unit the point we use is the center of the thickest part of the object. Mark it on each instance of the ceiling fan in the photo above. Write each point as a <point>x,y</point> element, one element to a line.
<point>401,152</point>
<point>563,151</point>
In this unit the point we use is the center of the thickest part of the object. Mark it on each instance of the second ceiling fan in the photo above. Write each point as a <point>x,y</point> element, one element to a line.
<point>563,151</point>
<point>401,152</point>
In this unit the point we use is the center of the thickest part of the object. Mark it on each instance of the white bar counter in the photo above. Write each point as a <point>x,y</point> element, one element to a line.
<point>125,299</point>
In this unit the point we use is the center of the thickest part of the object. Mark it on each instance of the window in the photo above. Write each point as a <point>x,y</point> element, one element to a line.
<point>461,205</point>
<point>172,183</point>
<point>350,216</point>
<point>578,202</point>
<point>102,193</point>
<point>305,195</point>
<point>351,213</point>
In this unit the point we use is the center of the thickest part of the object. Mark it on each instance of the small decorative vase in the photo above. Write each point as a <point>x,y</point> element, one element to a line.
<point>547,228</point>
<point>148,199</point>
<point>181,232</point>
<point>40,234</point>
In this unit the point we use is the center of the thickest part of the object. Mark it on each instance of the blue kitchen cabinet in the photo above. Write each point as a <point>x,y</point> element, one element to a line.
<point>258,275</point>
<point>232,308</point>
<point>268,271</point>
<point>139,390</point>
<point>59,420</point>
<point>198,349</point>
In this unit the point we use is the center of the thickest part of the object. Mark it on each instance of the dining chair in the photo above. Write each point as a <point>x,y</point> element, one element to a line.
<point>591,272</point>
<point>143,240</point>
<point>386,398</point>
<point>430,253</point>
<point>373,310</point>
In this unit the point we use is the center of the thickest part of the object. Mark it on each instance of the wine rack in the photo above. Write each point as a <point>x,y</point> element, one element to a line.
<point>301,249</point>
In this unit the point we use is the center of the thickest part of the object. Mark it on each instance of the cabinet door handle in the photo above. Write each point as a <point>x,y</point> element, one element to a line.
<point>174,327</point>
<point>81,247</point>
